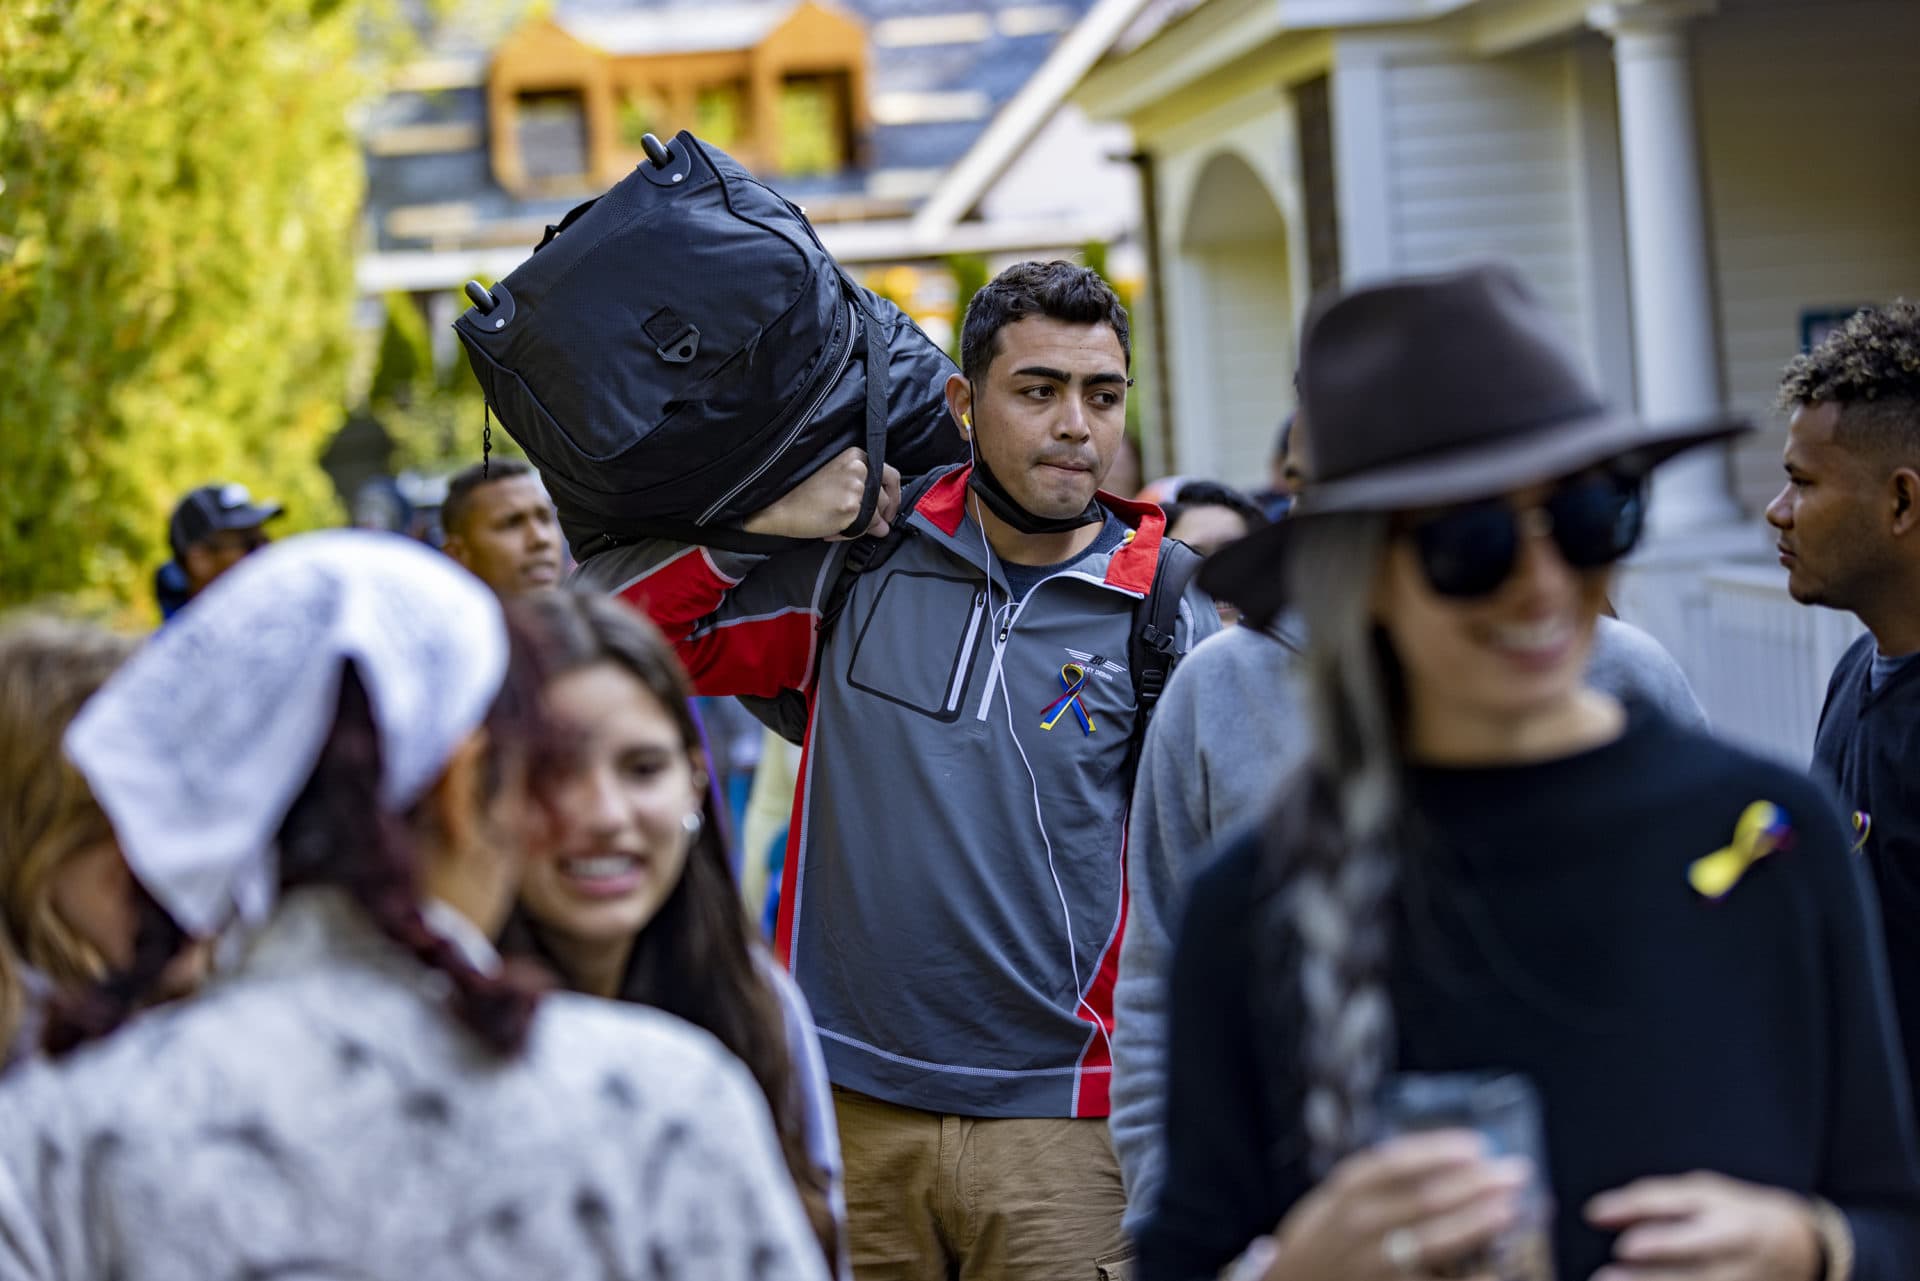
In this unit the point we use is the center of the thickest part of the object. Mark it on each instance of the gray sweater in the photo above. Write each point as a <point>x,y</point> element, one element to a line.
<point>1205,771</point>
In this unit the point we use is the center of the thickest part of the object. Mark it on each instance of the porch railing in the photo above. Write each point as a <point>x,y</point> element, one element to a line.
<point>1761,660</point>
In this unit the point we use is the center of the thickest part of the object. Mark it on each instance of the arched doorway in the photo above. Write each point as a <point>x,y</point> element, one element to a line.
<point>1236,360</point>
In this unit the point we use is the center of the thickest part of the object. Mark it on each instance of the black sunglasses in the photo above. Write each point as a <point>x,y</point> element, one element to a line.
<point>1594,519</point>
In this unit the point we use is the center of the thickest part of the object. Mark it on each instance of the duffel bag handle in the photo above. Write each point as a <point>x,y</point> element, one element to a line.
<point>876,351</point>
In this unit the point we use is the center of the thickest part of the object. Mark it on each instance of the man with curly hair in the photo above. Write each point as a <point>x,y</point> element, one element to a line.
<point>1849,525</point>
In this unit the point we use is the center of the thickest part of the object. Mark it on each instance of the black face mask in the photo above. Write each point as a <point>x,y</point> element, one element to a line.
<point>1003,504</point>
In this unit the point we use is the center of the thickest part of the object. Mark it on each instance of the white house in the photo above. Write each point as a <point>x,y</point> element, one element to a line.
<point>1694,185</point>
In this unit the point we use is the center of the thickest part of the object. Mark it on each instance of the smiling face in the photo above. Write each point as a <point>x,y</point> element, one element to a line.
<point>620,842</point>
<point>1049,414</point>
<point>1518,651</point>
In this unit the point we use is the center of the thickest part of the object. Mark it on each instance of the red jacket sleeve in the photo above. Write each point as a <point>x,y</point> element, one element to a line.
<point>739,624</point>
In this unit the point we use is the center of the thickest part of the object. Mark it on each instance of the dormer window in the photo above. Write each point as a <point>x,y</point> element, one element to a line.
<point>551,129</point>
<point>816,124</point>
<point>780,86</point>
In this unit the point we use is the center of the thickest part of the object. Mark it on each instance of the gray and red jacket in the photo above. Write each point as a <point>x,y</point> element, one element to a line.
<point>958,952</point>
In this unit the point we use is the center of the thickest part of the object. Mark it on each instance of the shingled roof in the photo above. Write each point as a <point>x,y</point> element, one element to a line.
<point>940,72</point>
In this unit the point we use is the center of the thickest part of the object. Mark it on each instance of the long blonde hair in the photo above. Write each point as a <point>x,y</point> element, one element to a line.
<point>1332,856</point>
<point>48,668</point>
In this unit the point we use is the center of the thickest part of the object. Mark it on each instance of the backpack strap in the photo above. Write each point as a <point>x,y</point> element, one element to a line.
<point>873,350</point>
<point>865,555</point>
<point>1151,652</point>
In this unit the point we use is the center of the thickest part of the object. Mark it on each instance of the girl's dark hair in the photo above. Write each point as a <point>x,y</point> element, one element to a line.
<point>338,834</point>
<point>1211,493</point>
<point>698,958</point>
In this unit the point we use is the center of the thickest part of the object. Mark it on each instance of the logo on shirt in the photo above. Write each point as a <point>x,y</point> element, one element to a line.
<point>1105,668</point>
<point>1763,829</point>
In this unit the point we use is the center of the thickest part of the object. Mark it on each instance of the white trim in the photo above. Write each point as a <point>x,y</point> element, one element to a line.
<point>706,554</point>
<point>891,241</point>
<point>704,632</point>
<point>645,574</point>
<point>1499,31</point>
<point>954,1069</point>
<point>1023,116</point>
<point>1034,19</point>
<point>1361,162</point>
<point>913,107</point>
<point>932,29</point>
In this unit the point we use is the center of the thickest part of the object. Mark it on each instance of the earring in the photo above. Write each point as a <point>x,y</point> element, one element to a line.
<point>692,824</point>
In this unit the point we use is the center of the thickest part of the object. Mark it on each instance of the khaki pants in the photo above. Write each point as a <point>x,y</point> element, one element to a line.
<point>939,1198</point>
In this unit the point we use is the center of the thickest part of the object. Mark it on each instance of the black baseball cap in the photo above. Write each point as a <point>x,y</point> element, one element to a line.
<point>212,508</point>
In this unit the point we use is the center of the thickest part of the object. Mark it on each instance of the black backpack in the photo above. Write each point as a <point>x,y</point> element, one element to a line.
<point>1151,656</point>
<point>682,351</point>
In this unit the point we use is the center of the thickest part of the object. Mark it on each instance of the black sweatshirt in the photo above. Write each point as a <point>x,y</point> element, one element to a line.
<point>1869,745</point>
<point>1549,927</point>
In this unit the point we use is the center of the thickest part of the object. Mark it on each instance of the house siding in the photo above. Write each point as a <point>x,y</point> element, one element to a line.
<point>1482,163</point>
<point>1811,129</point>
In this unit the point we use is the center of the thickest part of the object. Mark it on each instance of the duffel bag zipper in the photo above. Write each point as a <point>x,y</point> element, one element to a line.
<point>826,389</point>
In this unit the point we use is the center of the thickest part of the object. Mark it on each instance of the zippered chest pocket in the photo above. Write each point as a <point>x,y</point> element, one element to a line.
<point>916,644</point>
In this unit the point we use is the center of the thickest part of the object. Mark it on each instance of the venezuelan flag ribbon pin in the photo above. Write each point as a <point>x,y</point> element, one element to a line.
<point>1073,678</point>
<point>1862,829</point>
<point>1763,828</point>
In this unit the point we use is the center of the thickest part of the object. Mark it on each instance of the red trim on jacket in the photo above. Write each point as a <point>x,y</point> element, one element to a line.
<point>785,925</point>
<point>1133,566</point>
<point>1130,569</point>
<point>945,503</point>
<point>762,655</point>
<point>1094,1080</point>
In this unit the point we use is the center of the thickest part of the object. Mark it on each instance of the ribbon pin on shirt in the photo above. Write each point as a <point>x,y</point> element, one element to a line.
<point>1762,829</point>
<point>1073,678</point>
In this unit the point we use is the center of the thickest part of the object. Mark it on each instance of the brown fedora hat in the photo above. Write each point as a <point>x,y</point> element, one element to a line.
<point>1429,391</point>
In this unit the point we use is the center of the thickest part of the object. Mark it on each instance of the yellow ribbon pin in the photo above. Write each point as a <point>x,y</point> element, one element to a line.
<point>1762,829</point>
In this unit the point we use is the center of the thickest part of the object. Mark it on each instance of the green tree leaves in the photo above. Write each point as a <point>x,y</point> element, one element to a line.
<point>176,271</point>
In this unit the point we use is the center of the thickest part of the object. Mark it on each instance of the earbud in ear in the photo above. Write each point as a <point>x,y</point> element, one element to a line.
<point>966,421</point>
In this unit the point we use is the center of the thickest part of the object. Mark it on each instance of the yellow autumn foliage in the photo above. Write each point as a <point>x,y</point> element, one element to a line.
<point>181,185</point>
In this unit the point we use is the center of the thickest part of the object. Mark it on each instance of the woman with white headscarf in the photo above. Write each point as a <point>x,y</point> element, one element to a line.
<point>331,752</point>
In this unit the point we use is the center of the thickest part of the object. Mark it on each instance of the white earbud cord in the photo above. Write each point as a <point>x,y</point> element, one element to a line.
<point>1000,636</point>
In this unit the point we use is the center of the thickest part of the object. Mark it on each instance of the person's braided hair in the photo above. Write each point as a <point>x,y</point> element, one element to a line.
<point>338,834</point>
<point>1331,857</point>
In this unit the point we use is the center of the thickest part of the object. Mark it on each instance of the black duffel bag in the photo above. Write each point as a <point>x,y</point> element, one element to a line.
<point>682,351</point>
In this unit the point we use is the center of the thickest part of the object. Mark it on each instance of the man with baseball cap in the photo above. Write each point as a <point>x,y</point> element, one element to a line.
<point>213,527</point>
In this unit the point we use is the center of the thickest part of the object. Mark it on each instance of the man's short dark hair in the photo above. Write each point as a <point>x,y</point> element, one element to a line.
<point>1870,368</point>
<point>1211,493</point>
<point>1059,290</point>
<point>460,490</point>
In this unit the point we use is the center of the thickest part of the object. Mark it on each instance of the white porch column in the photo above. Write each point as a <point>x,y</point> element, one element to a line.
<point>1675,342</point>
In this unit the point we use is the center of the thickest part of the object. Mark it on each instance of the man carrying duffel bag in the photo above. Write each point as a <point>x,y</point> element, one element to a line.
<point>954,889</point>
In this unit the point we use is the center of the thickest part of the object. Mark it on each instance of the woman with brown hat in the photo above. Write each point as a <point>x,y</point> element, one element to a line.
<point>1492,883</point>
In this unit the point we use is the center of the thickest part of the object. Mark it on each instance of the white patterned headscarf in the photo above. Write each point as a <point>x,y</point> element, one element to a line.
<point>198,746</point>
